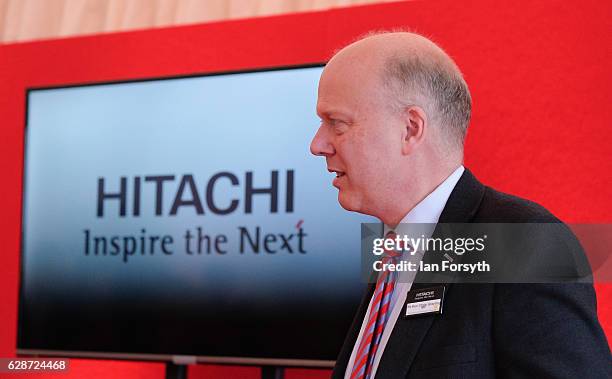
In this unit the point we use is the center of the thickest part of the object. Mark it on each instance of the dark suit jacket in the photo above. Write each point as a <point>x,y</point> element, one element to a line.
<point>494,330</point>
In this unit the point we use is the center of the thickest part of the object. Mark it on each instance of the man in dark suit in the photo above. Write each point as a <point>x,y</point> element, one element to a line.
<point>394,112</point>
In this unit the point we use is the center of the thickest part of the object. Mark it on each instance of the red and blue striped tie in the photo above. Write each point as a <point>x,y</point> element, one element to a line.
<point>377,319</point>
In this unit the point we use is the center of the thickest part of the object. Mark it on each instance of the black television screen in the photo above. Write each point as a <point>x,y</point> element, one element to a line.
<point>184,217</point>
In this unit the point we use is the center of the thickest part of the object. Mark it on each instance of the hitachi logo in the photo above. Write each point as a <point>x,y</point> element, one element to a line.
<point>188,194</point>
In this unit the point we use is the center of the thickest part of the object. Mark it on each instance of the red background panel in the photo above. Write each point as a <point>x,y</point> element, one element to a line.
<point>539,73</point>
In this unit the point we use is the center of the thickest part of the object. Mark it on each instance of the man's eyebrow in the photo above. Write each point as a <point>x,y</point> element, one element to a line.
<point>333,114</point>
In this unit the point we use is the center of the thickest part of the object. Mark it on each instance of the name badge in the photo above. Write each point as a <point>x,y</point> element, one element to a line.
<point>424,301</point>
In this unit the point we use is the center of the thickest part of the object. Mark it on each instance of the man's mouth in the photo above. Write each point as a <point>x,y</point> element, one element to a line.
<point>338,173</point>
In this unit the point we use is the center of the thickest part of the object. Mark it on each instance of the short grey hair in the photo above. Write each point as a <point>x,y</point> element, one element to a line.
<point>449,98</point>
<point>437,85</point>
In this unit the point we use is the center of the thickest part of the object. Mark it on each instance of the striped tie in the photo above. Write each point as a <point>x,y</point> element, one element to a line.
<point>377,319</point>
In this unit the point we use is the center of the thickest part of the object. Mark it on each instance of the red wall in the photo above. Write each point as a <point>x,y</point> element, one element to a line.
<point>539,75</point>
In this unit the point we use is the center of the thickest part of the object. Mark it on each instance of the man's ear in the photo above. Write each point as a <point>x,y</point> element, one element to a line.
<point>415,126</point>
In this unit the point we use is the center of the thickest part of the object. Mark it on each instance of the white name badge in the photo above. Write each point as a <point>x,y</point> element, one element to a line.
<point>431,306</point>
<point>424,301</point>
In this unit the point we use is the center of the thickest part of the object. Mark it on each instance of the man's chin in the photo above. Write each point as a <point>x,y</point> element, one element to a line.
<point>347,202</point>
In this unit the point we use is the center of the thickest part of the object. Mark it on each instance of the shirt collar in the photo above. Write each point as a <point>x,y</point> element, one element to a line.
<point>428,210</point>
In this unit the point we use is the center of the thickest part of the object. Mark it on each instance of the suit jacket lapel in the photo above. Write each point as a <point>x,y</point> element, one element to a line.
<point>408,334</point>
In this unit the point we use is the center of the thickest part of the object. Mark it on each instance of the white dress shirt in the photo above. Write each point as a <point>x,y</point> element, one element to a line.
<point>426,212</point>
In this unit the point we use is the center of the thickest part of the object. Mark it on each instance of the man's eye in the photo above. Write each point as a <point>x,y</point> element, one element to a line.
<point>339,126</point>
<point>336,125</point>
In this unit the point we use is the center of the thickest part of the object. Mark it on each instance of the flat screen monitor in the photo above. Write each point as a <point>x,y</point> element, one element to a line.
<point>184,217</point>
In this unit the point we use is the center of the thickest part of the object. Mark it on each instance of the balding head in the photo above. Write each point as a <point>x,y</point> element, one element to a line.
<point>394,110</point>
<point>416,71</point>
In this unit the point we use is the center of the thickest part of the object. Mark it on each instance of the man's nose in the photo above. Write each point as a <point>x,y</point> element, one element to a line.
<point>321,144</point>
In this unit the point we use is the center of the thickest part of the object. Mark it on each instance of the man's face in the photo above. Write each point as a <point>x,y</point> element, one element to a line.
<point>359,136</point>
